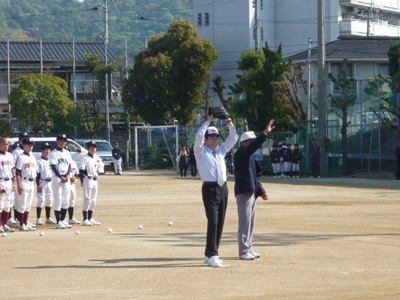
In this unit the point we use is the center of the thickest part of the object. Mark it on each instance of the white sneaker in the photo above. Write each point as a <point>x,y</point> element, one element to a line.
<point>256,255</point>
<point>206,259</point>
<point>297,177</point>
<point>8,228</point>
<point>74,221</point>
<point>60,225</point>
<point>247,256</point>
<point>319,176</point>
<point>50,221</point>
<point>23,228</point>
<point>311,177</point>
<point>65,222</point>
<point>1,229</point>
<point>11,221</point>
<point>87,223</point>
<point>397,181</point>
<point>213,261</point>
<point>39,221</point>
<point>29,226</point>
<point>274,176</point>
<point>94,222</point>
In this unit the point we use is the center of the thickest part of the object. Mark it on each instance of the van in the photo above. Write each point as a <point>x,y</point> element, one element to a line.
<point>76,150</point>
<point>104,150</point>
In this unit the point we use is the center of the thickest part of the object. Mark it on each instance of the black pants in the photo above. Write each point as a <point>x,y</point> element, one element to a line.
<point>398,170</point>
<point>315,166</point>
<point>183,171</point>
<point>193,169</point>
<point>215,199</point>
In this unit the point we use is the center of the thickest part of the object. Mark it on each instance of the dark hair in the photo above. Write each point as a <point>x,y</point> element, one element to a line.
<point>296,145</point>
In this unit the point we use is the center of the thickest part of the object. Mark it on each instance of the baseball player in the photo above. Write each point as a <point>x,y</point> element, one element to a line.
<point>74,173</point>
<point>297,156</point>
<point>88,176</point>
<point>43,179</point>
<point>275,161</point>
<point>60,163</point>
<point>26,173</point>
<point>7,185</point>
<point>17,152</point>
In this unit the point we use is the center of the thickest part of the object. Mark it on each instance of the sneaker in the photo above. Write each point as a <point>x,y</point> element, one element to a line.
<point>50,221</point>
<point>8,228</point>
<point>39,221</point>
<point>30,227</point>
<point>247,256</point>
<point>319,177</point>
<point>94,222</point>
<point>311,177</point>
<point>297,177</point>
<point>256,255</point>
<point>206,260</point>
<point>1,229</point>
<point>60,225</point>
<point>74,221</point>
<point>87,223</point>
<point>23,228</point>
<point>213,261</point>
<point>274,176</point>
<point>11,221</point>
<point>397,181</point>
<point>65,222</point>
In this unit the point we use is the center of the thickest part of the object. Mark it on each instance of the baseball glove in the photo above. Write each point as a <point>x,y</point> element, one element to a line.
<point>218,112</point>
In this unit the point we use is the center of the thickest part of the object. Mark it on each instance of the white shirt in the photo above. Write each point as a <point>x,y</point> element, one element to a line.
<point>43,168</point>
<point>61,159</point>
<point>17,152</point>
<point>27,165</point>
<point>6,165</point>
<point>205,160</point>
<point>89,164</point>
<point>74,170</point>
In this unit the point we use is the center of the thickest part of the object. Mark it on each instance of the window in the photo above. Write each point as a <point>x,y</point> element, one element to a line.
<point>206,19</point>
<point>199,19</point>
<point>84,83</point>
<point>384,70</point>
<point>262,33</point>
<point>261,4</point>
<point>254,32</point>
<point>336,69</point>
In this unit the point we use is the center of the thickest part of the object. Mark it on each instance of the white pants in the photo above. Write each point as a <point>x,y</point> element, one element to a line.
<point>246,206</point>
<point>61,193</point>
<point>276,167</point>
<point>26,198</point>
<point>89,194</point>
<point>6,199</point>
<point>72,197</point>
<point>117,166</point>
<point>288,166</point>
<point>295,167</point>
<point>46,196</point>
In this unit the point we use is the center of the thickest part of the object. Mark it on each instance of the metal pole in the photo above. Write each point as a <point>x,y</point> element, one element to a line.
<point>307,145</point>
<point>321,137</point>
<point>256,25</point>
<point>8,80</point>
<point>41,55</point>
<point>73,79</point>
<point>106,63</point>
<point>136,151</point>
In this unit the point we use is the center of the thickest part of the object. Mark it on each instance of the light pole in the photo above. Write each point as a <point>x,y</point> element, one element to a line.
<point>106,63</point>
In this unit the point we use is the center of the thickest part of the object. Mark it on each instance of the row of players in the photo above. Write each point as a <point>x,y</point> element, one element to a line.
<point>285,161</point>
<point>53,176</point>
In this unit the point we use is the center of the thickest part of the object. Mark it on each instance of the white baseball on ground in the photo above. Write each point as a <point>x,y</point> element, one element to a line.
<point>140,226</point>
<point>170,223</point>
<point>41,233</point>
<point>4,234</point>
<point>109,230</point>
<point>77,232</point>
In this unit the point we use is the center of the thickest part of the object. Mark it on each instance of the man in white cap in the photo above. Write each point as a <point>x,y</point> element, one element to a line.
<point>212,170</point>
<point>247,188</point>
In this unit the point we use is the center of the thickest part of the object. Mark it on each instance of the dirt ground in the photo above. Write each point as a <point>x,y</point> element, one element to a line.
<point>329,238</point>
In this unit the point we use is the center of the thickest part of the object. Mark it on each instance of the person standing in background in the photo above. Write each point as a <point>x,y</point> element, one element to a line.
<point>192,160</point>
<point>182,164</point>
<point>117,155</point>
<point>397,154</point>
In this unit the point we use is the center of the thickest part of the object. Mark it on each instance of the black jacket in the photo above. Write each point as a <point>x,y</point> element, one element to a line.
<point>247,169</point>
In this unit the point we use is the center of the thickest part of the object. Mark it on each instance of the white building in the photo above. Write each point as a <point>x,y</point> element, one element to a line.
<point>229,25</point>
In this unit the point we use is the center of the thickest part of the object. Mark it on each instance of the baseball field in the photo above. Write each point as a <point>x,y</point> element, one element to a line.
<point>328,238</point>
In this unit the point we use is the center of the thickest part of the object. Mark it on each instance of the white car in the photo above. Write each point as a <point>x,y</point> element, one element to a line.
<point>104,150</point>
<point>76,150</point>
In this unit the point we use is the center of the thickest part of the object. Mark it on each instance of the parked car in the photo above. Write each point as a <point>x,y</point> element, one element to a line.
<point>76,150</point>
<point>104,149</point>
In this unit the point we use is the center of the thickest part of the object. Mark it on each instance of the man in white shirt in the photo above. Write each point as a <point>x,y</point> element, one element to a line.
<point>212,170</point>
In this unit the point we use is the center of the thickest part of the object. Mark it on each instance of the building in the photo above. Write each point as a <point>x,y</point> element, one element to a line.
<point>231,25</point>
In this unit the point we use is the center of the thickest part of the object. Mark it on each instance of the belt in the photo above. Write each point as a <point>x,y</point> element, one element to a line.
<point>92,177</point>
<point>211,182</point>
<point>29,179</point>
<point>46,179</point>
<point>5,178</point>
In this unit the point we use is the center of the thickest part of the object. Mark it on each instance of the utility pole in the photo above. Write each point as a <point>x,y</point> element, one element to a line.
<point>321,137</point>
<point>256,26</point>
<point>106,63</point>
<point>307,146</point>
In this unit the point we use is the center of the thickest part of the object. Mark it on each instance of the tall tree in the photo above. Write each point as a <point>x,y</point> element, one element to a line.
<point>39,99</point>
<point>260,102</point>
<point>167,78</point>
<point>346,85</point>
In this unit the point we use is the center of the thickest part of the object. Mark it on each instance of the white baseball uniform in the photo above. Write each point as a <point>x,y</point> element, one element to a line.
<point>45,197</point>
<point>17,152</point>
<point>74,172</point>
<point>6,174</point>
<point>90,187</point>
<point>61,159</point>
<point>26,165</point>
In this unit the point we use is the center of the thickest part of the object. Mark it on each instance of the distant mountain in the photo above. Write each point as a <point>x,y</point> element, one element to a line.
<point>60,20</point>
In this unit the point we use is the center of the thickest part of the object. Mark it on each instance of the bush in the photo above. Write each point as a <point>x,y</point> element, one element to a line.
<point>151,158</point>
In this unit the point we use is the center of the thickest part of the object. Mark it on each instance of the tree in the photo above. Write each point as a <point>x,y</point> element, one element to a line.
<point>39,99</point>
<point>346,85</point>
<point>5,128</point>
<point>167,78</point>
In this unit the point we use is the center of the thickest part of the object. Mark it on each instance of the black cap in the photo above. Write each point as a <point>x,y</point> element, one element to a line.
<point>91,144</point>
<point>15,145</point>
<point>23,135</point>
<point>45,146</point>
<point>28,141</point>
<point>61,137</point>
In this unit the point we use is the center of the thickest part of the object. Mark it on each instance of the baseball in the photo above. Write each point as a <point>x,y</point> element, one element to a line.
<point>170,223</point>
<point>41,233</point>
<point>140,226</point>
<point>4,234</point>
<point>77,232</point>
<point>109,230</point>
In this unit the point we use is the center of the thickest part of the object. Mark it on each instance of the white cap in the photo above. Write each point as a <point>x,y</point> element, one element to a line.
<point>249,135</point>
<point>212,131</point>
